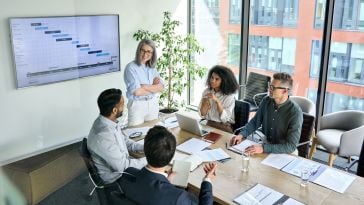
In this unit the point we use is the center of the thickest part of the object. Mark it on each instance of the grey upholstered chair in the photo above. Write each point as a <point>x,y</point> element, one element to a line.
<point>341,133</point>
<point>307,106</point>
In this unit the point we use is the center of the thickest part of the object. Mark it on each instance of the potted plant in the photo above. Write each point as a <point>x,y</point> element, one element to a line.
<point>175,63</point>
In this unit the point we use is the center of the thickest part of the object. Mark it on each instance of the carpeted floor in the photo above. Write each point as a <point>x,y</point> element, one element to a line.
<point>76,192</point>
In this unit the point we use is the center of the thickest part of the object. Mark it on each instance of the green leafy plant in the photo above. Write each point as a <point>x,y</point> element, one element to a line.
<point>176,62</point>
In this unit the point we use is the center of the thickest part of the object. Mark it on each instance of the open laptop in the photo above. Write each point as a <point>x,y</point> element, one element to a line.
<point>190,124</point>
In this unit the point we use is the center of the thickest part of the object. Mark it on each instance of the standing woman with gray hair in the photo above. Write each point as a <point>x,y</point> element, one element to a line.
<point>143,83</point>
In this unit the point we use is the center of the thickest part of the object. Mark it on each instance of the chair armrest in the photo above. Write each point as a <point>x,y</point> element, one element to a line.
<point>351,142</point>
<point>303,143</point>
<point>256,95</point>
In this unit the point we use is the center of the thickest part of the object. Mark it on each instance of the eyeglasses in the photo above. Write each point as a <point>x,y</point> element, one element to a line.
<point>149,52</point>
<point>272,87</point>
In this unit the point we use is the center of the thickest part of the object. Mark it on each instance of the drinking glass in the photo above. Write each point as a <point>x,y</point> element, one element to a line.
<point>245,161</point>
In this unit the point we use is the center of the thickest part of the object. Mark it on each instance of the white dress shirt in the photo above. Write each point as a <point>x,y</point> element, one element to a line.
<point>109,149</point>
<point>228,104</point>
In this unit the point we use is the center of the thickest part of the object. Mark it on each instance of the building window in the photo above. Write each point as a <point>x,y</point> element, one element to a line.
<point>356,70</point>
<point>279,57</point>
<point>258,52</point>
<point>214,10</point>
<point>348,14</point>
<point>235,12</point>
<point>338,62</point>
<point>234,49</point>
<point>274,12</point>
<point>335,102</point>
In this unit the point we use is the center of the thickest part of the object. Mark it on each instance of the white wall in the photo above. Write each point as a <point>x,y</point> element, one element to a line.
<point>35,119</point>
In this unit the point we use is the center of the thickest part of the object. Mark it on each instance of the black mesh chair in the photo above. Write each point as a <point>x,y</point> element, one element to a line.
<point>241,113</point>
<point>306,133</point>
<point>107,193</point>
<point>360,171</point>
<point>256,89</point>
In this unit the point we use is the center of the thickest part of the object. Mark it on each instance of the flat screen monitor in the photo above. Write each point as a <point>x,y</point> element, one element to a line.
<point>54,49</point>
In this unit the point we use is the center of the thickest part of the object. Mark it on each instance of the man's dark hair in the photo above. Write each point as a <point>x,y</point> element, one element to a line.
<point>285,78</point>
<point>107,100</point>
<point>229,84</point>
<point>159,146</point>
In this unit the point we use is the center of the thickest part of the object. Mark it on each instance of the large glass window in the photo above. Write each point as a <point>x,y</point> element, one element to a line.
<point>345,76</point>
<point>348,14</point>
<point>284,38</point>
<point>216,25</point>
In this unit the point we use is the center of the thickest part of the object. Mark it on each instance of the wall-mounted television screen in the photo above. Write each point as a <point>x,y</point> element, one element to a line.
<point>53,49</point>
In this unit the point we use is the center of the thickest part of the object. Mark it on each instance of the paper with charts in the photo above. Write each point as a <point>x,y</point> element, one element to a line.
<point>263,195</point>
<point>192,146</point>
<point>242,146</point>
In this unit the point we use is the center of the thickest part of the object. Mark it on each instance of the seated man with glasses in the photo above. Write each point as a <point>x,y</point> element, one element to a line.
<point>279,117</point>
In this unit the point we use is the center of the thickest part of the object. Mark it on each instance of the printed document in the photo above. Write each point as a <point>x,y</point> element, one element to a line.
<point>182,169</point>
<point>192,146</point>
<point>242,146</point>
<point>278,161</point>
<point>263,195</point>
<point>212,155</point>
<point>335,180</point>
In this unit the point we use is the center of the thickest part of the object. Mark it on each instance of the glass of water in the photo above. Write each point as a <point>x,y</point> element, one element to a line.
<point>305,175</point>
<point>245,161</point>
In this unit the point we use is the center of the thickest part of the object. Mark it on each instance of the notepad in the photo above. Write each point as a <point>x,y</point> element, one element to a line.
<point>242,146</point>
<point>182,170</point>
<point>212,137</point>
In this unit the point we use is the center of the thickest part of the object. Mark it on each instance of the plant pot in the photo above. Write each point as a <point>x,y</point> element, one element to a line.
<point>168,110</point>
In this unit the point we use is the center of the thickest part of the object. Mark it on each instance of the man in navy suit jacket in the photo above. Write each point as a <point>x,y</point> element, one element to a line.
<point>151,185</point>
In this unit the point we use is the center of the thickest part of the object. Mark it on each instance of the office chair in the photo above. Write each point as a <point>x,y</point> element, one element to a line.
<point>241,114</point>
<point>309,111</point>
<point>107,193</point>
<point>256,89</point>
<point>305,104</point>
<point>306,133</point>
<point>341,133</point>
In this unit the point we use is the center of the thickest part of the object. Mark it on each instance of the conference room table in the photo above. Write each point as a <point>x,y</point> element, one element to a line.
<point>230,181</point>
